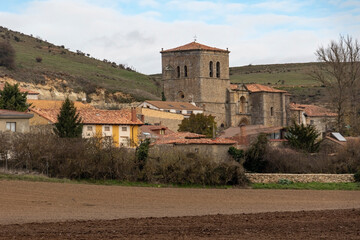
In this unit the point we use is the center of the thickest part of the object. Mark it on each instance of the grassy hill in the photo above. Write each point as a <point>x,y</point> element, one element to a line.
<point>81,72</point>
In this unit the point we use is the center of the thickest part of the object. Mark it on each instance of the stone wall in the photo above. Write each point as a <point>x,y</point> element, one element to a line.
<point>303,178</point>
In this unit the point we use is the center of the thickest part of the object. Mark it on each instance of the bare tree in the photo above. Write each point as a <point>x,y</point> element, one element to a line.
<point>340,74</point>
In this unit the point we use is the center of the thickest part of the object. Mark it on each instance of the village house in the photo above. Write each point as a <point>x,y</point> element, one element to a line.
<point>14,121</point>
<point>322,118</point>
<point>157,117</point>
<point>154,131</point>
<point>247,134</point>
<point>120,125</point>
<point>183,108</point>
<point>199,74</point>
<point>190,143</point>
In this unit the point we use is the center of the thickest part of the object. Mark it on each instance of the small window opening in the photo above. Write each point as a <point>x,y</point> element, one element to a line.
<point>211,72</point>
<point>218,69</point>
<point>185,71</point>
<point>272,111</point>
<point>178,71</point>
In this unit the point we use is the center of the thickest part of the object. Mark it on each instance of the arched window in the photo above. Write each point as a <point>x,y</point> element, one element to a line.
<point>185,71</point>
<point>178,71</point>
<point>211,71</point>
<point>181,94</point>
<point>242,104</point>
<point>218,69</point>
<point>271,111</point>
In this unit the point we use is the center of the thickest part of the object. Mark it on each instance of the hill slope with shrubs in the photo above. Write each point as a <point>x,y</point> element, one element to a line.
<point>38,61</point>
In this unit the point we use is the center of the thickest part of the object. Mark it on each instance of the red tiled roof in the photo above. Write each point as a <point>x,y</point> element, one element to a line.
<point>233,86</point>
<point>174,105</point>
<point>14,114</point>
<point>312,110</point>
<point>22,90</point>
<point>93,116</point>
<point>192,138</point>
<point>194,46</point>
<point>262,88</point>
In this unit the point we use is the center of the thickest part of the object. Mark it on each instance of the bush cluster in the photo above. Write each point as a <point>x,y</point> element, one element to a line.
<point>262,158</point>
<point>94,158</point>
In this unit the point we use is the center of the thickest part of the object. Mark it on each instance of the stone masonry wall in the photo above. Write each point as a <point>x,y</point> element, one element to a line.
<point>303,178</point>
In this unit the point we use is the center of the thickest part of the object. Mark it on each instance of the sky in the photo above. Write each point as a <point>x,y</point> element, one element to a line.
<point>134,32</point>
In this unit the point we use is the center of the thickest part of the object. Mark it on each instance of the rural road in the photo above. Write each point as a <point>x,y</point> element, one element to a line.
<point>25,202</point>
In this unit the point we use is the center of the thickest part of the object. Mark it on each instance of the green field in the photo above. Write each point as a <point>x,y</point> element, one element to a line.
<point>288,74</point>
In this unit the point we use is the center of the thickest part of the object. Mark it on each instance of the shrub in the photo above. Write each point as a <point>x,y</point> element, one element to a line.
<point>39,59</point>
<point>237,154</point>
<point>284,181</point>
<point>7,55</point>
<point>357,176</point>
<point>254,156</point>
<point>303,137</point>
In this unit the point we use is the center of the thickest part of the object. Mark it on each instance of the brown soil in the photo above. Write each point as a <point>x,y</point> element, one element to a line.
<point>330,224</point>
<point>34,210</point>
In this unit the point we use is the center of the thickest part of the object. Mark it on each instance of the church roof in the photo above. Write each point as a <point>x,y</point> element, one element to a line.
<point>194,46</point>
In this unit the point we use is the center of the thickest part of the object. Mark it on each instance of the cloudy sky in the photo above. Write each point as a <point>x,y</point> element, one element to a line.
<point>133,32</point>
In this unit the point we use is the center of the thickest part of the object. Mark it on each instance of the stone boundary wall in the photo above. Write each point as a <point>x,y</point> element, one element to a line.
<point>304,178</point>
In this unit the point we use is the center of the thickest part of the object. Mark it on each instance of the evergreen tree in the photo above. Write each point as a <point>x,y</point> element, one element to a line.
<point>255,155</point>
<point>199,124</point>
<point>163,98</point>
<point>68,121</point>
<point>303,137</point>
<point>12,99</point>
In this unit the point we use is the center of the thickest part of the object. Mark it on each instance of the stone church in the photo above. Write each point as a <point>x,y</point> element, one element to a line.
<point>200,74</point>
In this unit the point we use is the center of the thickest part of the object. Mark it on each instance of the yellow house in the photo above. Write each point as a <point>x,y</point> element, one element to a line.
<point>121,125</point>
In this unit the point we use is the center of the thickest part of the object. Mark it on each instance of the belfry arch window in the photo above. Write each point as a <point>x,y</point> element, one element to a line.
<point>178,71</point>
<point>218,69</point>
<point>242,104</point>
<point>211,70</point>
<point>185,71</point>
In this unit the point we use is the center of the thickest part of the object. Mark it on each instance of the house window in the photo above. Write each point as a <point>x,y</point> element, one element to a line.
<point>107,129</point>
<point>271,111</point>
<point>185,71</point>
<point>124,129</point>
<point>11,126</point>
<point>211,71</point>
<point>162,131</point>
<point>189,112</point>
<point>178,71</point>
<point>218,69</point>
<point>178,111</point>
<point>89,128</point>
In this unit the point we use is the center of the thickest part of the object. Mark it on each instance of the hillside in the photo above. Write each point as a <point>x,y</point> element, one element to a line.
<point>67,71</point>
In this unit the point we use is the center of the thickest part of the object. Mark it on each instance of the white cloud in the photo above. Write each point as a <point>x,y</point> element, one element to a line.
<point>136,40</point>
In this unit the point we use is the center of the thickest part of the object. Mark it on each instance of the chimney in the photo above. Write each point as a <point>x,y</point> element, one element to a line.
<point>133,114</point>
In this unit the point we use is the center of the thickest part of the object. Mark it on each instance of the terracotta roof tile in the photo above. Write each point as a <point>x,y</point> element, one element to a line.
<point>194,46</point>
<point>93,116</point>
<point>9,114</point>
<point>262,88</point>
<point>174,105</point>
<point>192,138</point>
<point>312,110</point>
<point>22,90</point>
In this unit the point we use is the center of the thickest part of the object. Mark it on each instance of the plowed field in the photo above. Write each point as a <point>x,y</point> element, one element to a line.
<point>34,210</point>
